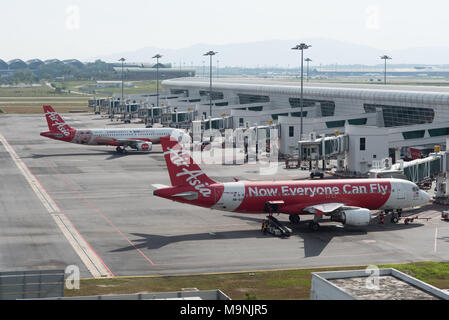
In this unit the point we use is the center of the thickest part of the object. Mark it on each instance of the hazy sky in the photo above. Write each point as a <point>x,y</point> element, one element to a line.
<point>83,29</point>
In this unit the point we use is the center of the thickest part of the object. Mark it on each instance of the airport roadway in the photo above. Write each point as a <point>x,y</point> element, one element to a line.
<point>64,204</point>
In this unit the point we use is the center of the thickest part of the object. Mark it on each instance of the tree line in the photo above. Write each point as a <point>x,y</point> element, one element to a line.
<point>50,71</point>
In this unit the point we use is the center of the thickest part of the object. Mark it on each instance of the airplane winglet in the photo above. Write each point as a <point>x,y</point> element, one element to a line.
<point>159,186</point>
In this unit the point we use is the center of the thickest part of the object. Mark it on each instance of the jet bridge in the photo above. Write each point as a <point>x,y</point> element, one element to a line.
<point>434,167</point>
<point>323,148</point>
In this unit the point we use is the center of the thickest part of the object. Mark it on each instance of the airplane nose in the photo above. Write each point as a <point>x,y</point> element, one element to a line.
<point>425,196</point>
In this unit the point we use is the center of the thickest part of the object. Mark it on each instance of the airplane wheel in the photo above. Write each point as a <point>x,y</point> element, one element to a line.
<point>119,150</point>
<point>394,219</point>
<point>314,226</point>
<point>294,218</point>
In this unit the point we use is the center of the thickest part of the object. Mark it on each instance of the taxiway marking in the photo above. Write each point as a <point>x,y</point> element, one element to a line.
<point>87,255</point>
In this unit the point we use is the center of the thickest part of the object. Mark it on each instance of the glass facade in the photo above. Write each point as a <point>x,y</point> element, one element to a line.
<point>179,91</point>
<point>358,122</point>
<point>395,116</point>
<point>327,107</point>
<point>252,98</point>
<point>215,94</point>
<point>414,134</point>
<point>298,114</point>
<point>276,116</point>
<point>439,132</point>
<point>335,124</point>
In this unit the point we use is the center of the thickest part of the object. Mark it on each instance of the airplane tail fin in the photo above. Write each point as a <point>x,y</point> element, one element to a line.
<point>55,123</point>
<point>182,169</point>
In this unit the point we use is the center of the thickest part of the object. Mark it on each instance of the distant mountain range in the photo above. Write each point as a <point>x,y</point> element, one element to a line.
<point>273,53</point>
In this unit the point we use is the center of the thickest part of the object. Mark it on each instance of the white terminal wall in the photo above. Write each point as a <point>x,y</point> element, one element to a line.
<point>376,147</point>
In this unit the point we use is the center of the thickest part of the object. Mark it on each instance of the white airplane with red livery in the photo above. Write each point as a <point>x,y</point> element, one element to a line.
<point>346,201</point>
<point>141,139</point>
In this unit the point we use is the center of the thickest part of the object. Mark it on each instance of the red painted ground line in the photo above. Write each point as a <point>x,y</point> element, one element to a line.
<point>90,204</point>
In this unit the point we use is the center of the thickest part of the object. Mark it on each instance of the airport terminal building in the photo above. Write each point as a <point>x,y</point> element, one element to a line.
<point>412,115</point>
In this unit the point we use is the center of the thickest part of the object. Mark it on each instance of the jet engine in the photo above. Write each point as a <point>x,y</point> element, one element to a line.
<point>353,217</point>
<point>144,146</point>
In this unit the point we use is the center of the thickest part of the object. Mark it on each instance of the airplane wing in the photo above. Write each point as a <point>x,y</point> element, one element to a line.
<point>324,208</point>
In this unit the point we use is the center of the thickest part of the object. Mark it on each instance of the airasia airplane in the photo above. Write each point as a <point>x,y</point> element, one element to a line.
<point>345,201</point>
<point>141,139</point>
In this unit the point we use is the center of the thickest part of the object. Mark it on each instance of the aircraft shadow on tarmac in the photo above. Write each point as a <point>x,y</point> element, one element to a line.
<point>112,154</point>
<point>314,242</point>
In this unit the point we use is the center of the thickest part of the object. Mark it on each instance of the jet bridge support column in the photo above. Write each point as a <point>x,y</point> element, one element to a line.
<point>397,154</point>
<point>442,183</point>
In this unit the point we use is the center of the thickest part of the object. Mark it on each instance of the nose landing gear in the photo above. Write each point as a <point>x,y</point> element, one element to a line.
<point>121,150</point>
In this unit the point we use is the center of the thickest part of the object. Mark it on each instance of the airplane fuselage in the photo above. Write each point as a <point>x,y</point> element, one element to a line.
<point>293,196</point>
<point>109,137</point>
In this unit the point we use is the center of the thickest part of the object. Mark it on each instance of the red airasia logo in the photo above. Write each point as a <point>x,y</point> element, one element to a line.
<point>145,147</point>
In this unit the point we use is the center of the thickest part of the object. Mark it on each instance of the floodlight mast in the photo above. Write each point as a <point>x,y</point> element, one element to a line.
<point>157,57</point>
<point>210,54</point>
<point>308,60</point>
<point>122,60</point>
<point>385,58</point>
<point>301,47</point>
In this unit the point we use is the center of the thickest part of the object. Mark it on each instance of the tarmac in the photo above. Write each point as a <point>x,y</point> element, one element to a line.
<point>65,204</point>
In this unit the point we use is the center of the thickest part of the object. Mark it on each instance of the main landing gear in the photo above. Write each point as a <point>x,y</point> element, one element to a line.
<point>395,215</point>
<point>120,150</point>
<point>294,219</point>
<point>314,226</point>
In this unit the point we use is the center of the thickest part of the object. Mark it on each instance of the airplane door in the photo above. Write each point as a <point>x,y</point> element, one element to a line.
<point>400,193</point>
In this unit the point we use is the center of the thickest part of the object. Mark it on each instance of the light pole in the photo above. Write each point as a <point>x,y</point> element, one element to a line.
<point>122,60</point>
<point>218,69</point>
<point>157,84</point>
<point>385,58</point>
<point>307,60</point>
<point>301,47</point>
<point>210,54</point>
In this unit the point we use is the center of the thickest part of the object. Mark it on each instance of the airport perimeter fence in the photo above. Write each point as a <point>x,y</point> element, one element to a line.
<point>31,284</point>
<point>179,295</point>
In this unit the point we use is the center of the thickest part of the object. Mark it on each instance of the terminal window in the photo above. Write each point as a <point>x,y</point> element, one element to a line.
<point>395,116</point>
<point>291,131</point>
<point>276,115</point>
<point>298,114</point>
<point>252,98</point>
<point>327,107</point>
<point>362,144</point>
<point>335,124</point>
<point>214,94</point>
